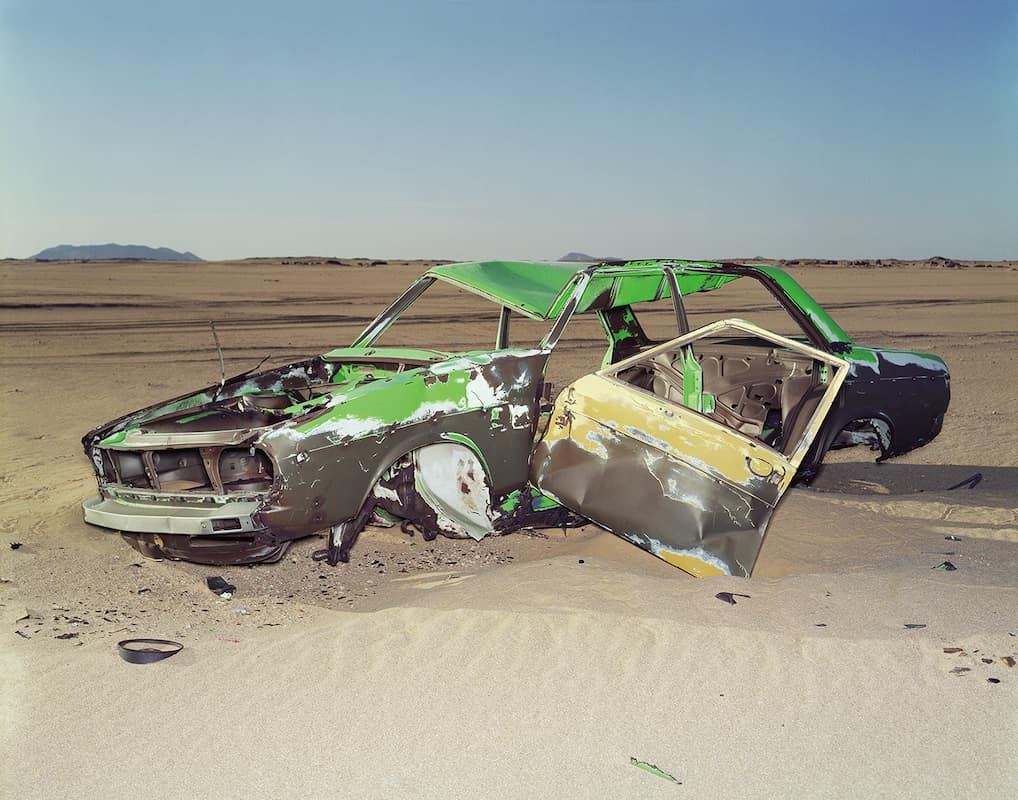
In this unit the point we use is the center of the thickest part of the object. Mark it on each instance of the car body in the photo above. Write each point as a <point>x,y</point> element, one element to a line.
<point>682,446</point>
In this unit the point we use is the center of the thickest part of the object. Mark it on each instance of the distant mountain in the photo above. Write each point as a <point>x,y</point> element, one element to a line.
<point>584,257</point>
<point>103,252</point>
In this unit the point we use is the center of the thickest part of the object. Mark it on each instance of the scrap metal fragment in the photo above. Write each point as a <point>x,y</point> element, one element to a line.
<point>654,770</point>
<point>220,586</point>
<point>147,651</point>
<point>729,597</point>
<point>969,483</point>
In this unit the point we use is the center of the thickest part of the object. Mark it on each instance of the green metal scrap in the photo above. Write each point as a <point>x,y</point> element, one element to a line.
<point>654,770</point>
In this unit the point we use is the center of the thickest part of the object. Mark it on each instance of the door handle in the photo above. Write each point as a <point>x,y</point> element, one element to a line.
<point>763,468</point>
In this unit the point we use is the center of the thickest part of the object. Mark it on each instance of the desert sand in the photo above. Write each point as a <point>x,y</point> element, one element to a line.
<point>519,666</point>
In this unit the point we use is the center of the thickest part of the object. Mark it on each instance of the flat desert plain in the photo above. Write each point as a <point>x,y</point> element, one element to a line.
<point>520,666</point>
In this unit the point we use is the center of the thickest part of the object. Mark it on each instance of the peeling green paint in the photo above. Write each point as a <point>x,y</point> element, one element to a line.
<point>410,395</point>
<point>541,502</point>
<point>537,501</point>
<point>628,328</point>
<point>511,502</point>
<point>116,438</point>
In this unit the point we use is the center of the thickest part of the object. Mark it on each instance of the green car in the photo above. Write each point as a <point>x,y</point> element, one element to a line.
<point>682,443</point>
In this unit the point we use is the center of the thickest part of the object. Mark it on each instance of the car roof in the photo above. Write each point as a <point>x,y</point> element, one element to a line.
<point>540,289</point>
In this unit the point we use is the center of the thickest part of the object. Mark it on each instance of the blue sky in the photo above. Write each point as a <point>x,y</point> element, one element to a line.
<point>512,130</point>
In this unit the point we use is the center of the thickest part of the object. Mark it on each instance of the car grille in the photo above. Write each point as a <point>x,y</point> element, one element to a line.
<point>219,470</point>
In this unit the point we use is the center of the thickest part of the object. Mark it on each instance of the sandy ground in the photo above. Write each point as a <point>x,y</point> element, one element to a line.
<point>521,666</point>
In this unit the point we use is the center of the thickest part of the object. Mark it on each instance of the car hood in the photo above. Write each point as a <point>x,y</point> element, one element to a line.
<point>354,391</point>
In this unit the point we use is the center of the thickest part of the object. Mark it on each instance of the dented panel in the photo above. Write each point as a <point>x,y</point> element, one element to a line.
<point>667,475</point>
<point>307,451</point>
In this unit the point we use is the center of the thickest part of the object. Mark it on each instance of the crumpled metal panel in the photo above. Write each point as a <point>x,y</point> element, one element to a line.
<point>673,481</point>
<point>615,455</point>
<point>711,528</point>
<point>451,479</point>
<point>330,430</point>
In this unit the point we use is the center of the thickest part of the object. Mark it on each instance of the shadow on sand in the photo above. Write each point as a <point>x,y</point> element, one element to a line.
<point>970,482</point>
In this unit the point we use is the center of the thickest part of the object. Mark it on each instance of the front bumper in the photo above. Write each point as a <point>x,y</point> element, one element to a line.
<point>215,534</point>
<point>172,518</point>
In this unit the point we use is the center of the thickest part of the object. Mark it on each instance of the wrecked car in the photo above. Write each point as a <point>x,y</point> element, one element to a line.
<point>682,443</point>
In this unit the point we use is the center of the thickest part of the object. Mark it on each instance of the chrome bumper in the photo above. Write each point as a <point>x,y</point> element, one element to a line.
<point>170,518</point>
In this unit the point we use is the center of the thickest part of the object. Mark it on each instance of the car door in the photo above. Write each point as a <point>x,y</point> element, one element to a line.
<point>686,448</point>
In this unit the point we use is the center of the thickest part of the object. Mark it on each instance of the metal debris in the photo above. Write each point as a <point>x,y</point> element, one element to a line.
<point>969,483</point>
<point>147,651</point>
<point>729,597</point>
<point>220,587</point>
<point>654,770</point>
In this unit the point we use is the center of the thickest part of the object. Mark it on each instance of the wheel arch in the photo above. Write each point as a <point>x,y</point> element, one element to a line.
<point>834,428</point>
<point>409,445</point>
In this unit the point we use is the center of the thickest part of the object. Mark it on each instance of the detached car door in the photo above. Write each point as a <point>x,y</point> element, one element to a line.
<point>686,448</point>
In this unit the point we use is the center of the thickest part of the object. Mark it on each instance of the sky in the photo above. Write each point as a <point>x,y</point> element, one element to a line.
<point>512,130</point>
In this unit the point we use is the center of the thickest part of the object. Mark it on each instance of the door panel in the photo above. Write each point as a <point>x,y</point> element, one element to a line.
<point>677,482</point>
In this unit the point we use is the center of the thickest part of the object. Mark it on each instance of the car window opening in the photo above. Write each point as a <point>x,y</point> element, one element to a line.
<point>749,385</point>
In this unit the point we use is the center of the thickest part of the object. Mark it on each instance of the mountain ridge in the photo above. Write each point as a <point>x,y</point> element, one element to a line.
<point>102,252</point>
<point>575,256</point>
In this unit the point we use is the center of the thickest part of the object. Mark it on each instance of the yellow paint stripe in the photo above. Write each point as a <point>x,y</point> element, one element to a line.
<point>696,567</point>
<point>680,433</point>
